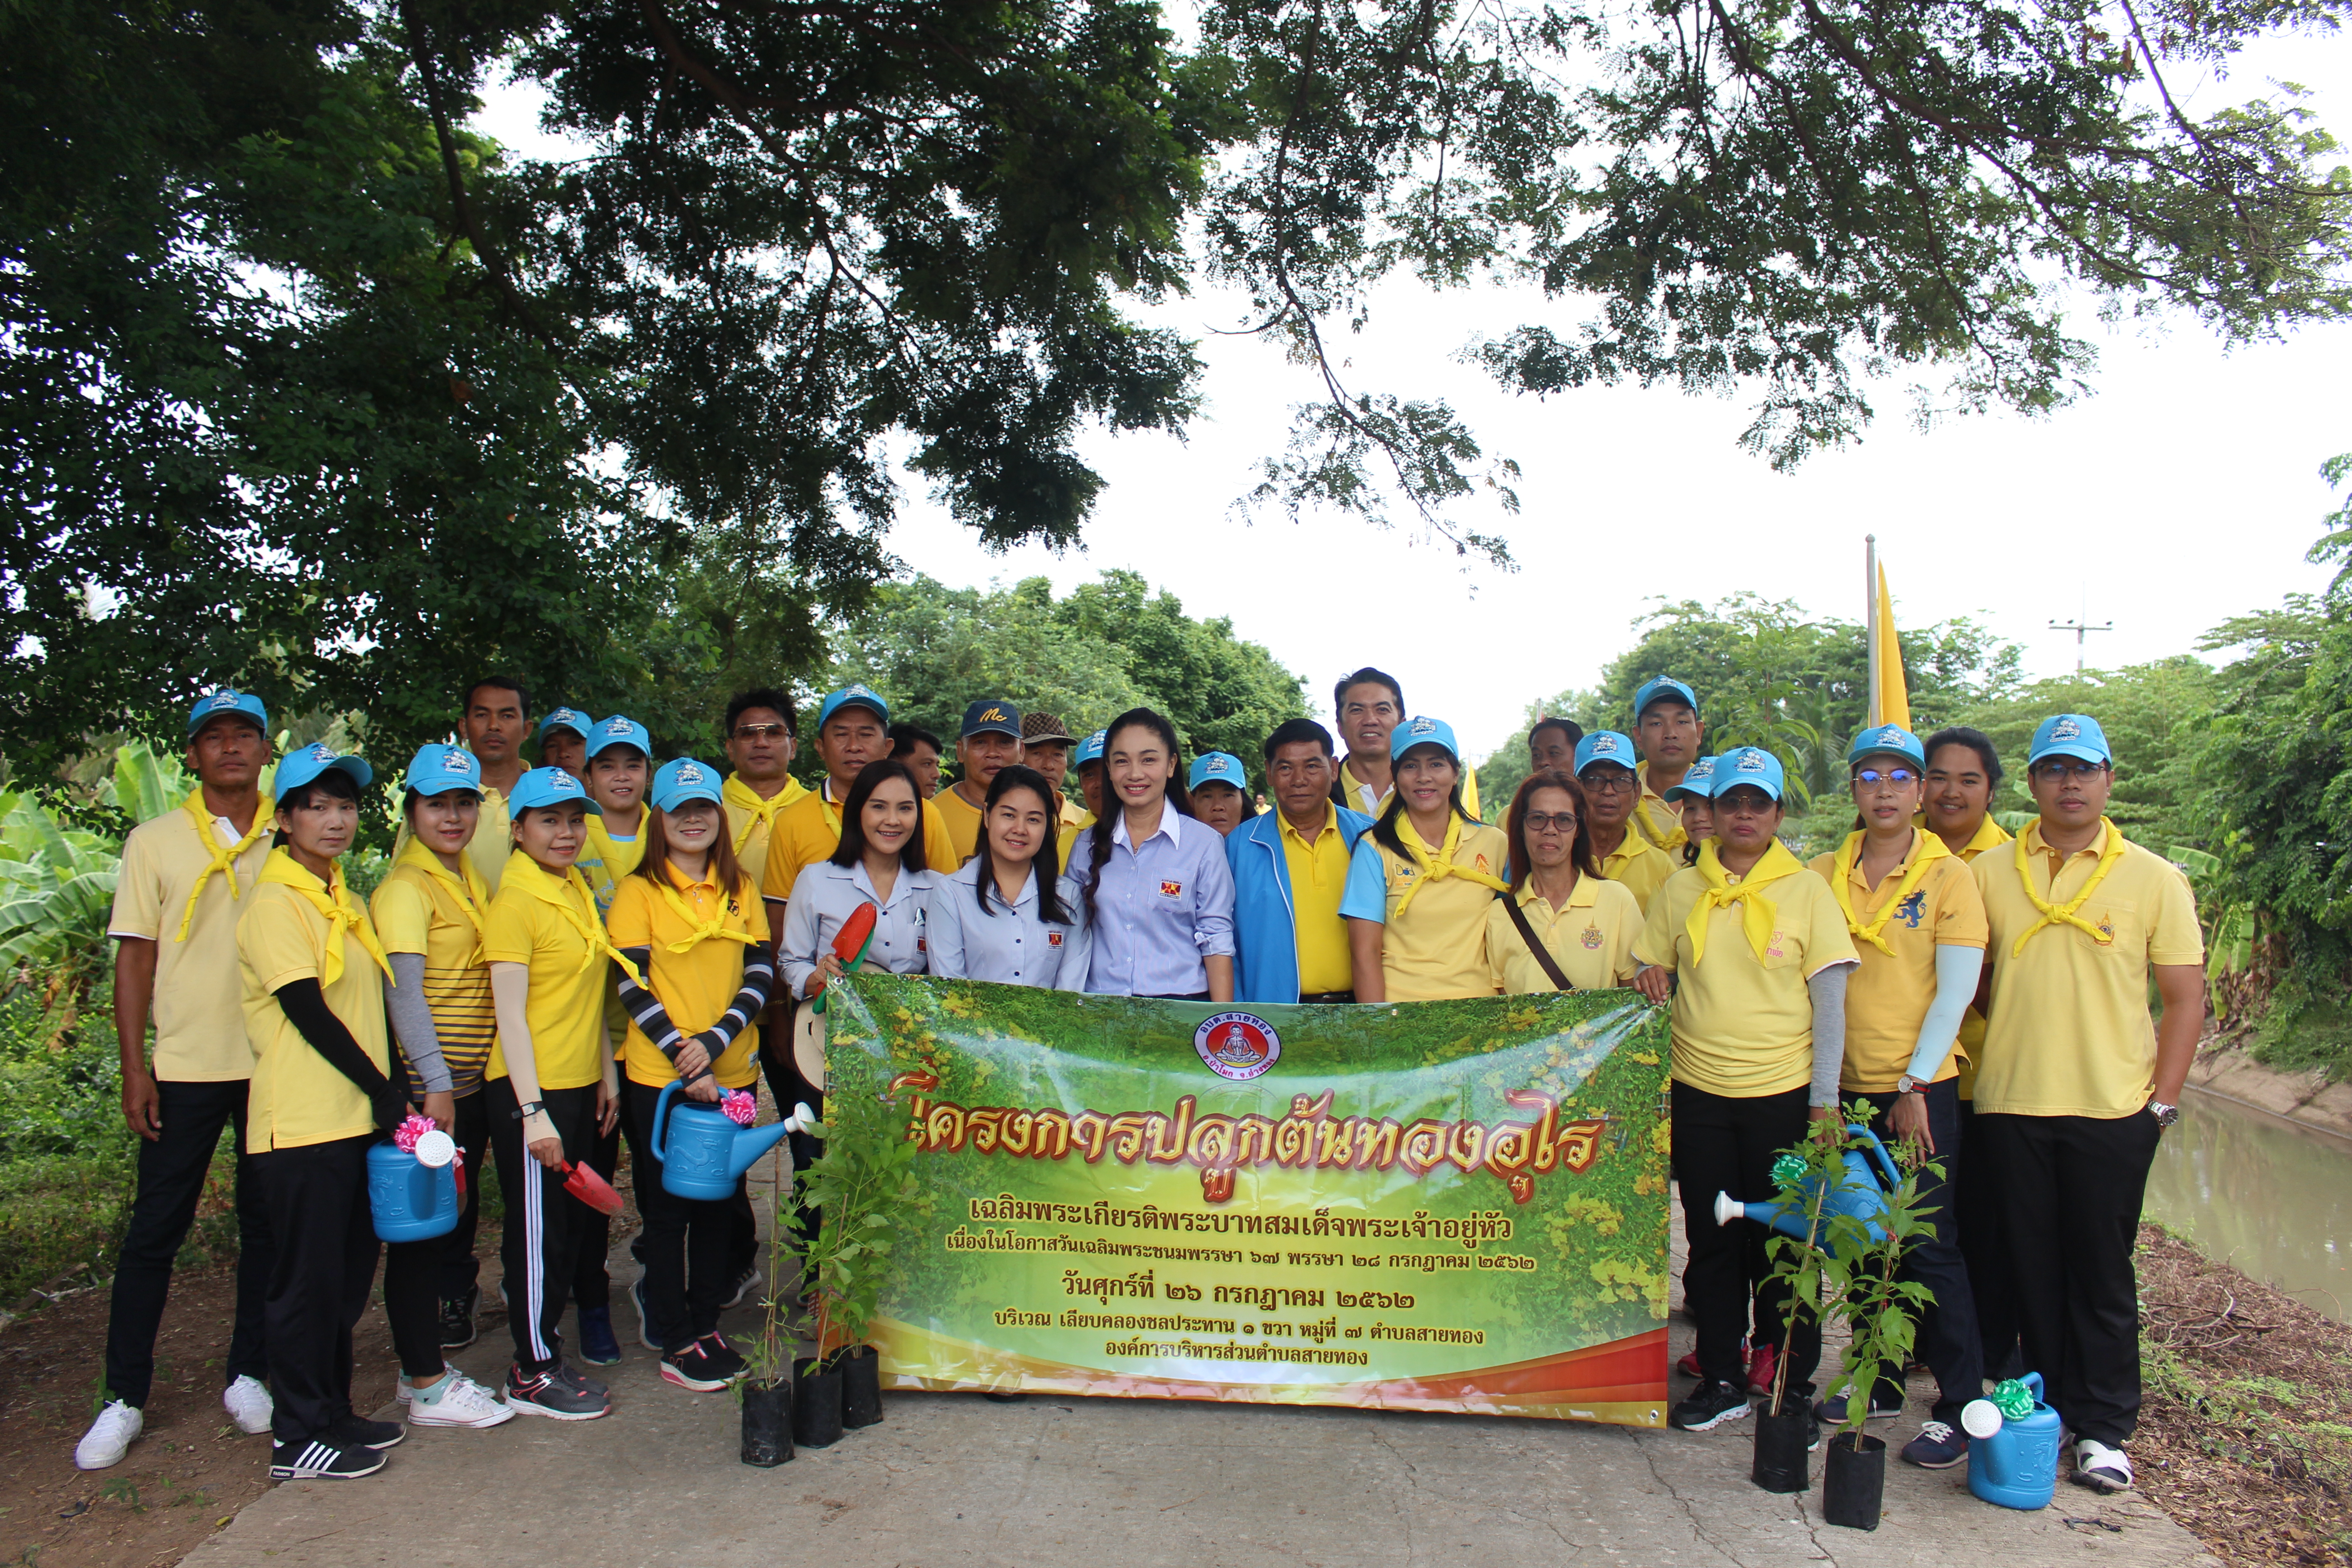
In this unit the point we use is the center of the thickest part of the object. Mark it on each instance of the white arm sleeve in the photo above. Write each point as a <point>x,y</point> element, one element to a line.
<point>1956,986</point>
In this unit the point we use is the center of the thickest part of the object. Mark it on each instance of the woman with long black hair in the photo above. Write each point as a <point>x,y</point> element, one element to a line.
<point>1009,916</point>
<point>1421,880</point>
<point>880,861</point>
<point>1157,894</point>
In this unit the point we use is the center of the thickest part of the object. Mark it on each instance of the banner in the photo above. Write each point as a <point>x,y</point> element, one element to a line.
<point>1432,1206</point>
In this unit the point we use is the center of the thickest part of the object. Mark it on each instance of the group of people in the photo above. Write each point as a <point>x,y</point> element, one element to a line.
<point>555,944</point>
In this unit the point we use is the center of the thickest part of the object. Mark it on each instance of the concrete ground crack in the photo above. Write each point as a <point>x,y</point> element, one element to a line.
<point>1403,1515</point>
<point>1813,1529</point>
<point>1689,1507</point>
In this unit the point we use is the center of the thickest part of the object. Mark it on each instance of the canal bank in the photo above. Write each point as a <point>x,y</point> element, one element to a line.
<point>2266,1195</point>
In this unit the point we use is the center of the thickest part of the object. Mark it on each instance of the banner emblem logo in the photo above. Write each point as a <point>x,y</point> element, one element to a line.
<point>1237,1044</point>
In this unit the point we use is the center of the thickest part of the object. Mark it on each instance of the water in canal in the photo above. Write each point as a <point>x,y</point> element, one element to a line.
<point>2272,1199</point>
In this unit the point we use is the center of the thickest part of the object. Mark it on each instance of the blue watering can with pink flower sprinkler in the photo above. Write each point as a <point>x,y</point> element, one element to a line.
<point>703,1149</point>
<point>1866,1175</point>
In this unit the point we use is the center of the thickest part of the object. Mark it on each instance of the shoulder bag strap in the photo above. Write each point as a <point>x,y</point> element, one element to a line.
<point>1535,944</point>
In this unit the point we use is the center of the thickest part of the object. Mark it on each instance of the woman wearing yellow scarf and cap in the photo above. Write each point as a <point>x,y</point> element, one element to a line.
<point>1760,950</point>
<point>1420,881</point>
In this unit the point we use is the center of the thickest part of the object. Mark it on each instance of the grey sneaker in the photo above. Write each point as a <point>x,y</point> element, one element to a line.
<point>554,1392</point>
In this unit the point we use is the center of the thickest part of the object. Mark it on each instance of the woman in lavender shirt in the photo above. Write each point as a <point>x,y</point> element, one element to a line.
<point>1159,894</point>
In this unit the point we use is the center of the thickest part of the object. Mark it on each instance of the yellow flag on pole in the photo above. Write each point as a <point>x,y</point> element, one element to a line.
<point>1892,694</point>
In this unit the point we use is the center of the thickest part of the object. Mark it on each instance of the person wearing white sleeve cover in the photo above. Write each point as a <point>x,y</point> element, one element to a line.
<point>1007,916</point>
<point>879,861</point>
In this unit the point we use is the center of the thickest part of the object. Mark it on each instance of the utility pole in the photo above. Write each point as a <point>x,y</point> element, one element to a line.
<point>2082,628</point>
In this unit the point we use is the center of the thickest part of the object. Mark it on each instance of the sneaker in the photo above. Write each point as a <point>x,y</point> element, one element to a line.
<point>1688,1367</point>
<point>248,1404</point>
<point>455,1401</point>
<point>359,1432</point>
<point>1710,1405</point>
<point>690,1366</point>
<point>2100,1468</point>
<point>109,1437</point>
<point>644,1319</point>
<point>573,1377</point>
<point>721,1354</point>
<point>1832,1411</point>
<point>458,1330</point>
<point>741,1288</point>
<point>319,1460</point>
<point>1937,1448</point>
<point>1762,1363</point>
<point>598,1345</point>
<point>549,1393</point>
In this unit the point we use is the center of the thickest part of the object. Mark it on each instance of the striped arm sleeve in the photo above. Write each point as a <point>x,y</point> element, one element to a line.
<point>759,986</point>
<point>645,1009</point>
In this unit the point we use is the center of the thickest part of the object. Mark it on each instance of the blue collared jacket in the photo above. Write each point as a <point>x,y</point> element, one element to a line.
<point>1265,920</point>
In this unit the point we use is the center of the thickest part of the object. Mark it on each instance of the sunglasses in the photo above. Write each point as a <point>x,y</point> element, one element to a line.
<point>1886,775</point>
<point>761,732</point>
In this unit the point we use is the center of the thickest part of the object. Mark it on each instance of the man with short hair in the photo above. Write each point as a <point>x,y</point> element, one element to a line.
<point>1604,766</point>
<point>1665,717</point>
<point>563,741</point>
<point>921,751</point>
<point>852,729</point>
<point>2077,1081</point>
<point>989,743</point>
<point>760,748</point>
<point>1551,744</point>
<point>1045,745</point>
<point>1290,870</point>
<point>1371,705</point>
<point>177,897</point>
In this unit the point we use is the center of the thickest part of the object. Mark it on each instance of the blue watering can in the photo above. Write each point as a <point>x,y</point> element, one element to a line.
<point>1860,1192</point>
<point>414,1197</point>
<point>2013,1461</point>
<point>702,1151</point>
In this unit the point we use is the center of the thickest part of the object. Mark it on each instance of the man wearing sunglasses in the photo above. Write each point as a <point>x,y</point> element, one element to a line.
<point>760,747</point>
<point>2079,1080</point>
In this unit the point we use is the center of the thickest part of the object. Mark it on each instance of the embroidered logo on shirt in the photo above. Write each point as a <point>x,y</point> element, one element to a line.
<point>1909,910</point>
<point>2107,927</point>
<point>1481,862</point>
<point>1593,937</point>
<point>1053,939</point>
<point>1237,1044</point>
<point>1773,949</point>
<point>1171,890</point>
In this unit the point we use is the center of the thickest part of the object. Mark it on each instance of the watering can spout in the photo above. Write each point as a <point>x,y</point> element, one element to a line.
<point>1727,1208</point>
<point>752,1143</point>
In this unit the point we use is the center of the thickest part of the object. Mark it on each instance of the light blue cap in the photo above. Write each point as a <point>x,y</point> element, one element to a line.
<point>2069,735</point>
<point>299,766</point>
<point>1219,767</point>
<point>1751,766</point>
<point>1890,739</point>
<point>1421,730</point>
<point>438,770</point>
<point>1696,783</point>
<point>675,783</point>
<point>857,695</point>
<point>1090,750</point>
<point>570,719</point>
<point>1605,746</point>
<point>619,731</point>
<point>548,786</point>
<point>228,699</point>
<point>1662,686</point>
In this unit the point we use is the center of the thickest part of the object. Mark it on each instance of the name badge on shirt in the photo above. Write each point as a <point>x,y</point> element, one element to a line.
<point>1171,890</point>
<point>1053,939</point>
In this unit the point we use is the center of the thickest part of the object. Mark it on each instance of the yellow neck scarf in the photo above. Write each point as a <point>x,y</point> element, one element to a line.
<point>223,861</point>
<point>335,904</point>
<point>473,893</point>
<point>577,909</point>
<point>759,810</point>
<point>1757,914</point>
<point>2064,914</point>
<point>1437,867</point>
<point>1926,850</point>
<point>1639,824</point>
<point>697,929</point>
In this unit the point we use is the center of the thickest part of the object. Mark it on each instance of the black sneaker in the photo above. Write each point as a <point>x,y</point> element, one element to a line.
<point>598,1345</point>
<point>1832,1411</point>
<point>457,1329</point>
<point>692,1367</point>
<point>550,1393</point>
<point>573,1377</point>
<point>1710,1405</point>
<point>722,1356</point>
<point>358,1431</point>
<point>319,1460</point>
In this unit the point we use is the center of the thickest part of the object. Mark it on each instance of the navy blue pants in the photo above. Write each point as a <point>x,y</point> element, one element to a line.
<point>1948,1339</point>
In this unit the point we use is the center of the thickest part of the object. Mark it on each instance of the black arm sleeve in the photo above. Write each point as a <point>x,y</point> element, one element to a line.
<point>306,1008</point>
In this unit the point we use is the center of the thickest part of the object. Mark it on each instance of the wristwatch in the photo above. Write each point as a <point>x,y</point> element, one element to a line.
<point>1906,1084</point>
<point>2166,1115</point>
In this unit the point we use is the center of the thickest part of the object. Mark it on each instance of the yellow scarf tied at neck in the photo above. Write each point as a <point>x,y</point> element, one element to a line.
<point>473,893</point>
<point>700,930</point>
<point>1757,914</point>
<point>759,810</point>
<point>1926,850</point>
<point>589,928</point>
<point>335,904</point>
<point>1438,867</point>
<point>2064,914</point>
<point>223,861</point>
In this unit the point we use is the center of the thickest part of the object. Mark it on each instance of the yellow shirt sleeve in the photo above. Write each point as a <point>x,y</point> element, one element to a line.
<point>510,933</point>
<point>403,913</point>
<point>755,915</point>
<point>1826,940</point>
<point>2174,936</point>
<point>1655,946</point>
<point>939,851</point>
<point>629,922</point>
<point>138,891</point>
<point>280,945</point>
<point>1620,916</point>
<point>782,868</point>
<point>1959,910</point>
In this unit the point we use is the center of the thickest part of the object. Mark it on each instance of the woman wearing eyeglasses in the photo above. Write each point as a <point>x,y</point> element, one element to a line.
<point>1562,926</point>
<point>1918,922</point>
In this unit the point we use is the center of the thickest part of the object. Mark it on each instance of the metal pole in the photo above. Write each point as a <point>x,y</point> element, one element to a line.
<point>1876,715</point>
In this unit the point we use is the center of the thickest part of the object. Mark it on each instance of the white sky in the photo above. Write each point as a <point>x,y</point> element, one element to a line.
<point>2185,490</point>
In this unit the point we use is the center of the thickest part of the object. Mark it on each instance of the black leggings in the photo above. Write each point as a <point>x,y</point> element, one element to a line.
<point>1726,1144</point>
<point>687,1242</point>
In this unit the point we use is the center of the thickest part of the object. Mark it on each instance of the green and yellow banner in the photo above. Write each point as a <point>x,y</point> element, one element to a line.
<point>1432,1206</point>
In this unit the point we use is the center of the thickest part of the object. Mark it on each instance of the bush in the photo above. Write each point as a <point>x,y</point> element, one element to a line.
<point>66,1102</point>
<point>60,1213</point>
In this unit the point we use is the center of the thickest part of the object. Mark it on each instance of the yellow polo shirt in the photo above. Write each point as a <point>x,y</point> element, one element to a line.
<point>1437,948</point>
<point>694,987</point>
<point>1359,795</point>
<point>420,908</point>
<point>1318,876</point>
<point>492,842</point>
<point>1075,819</point>
<point>2071,1033</point>
<point>200,1034</point>
<point>809,830</point>
<point>1989,835</point>
<point>1744,1025</point>
<point>1888,995</point>
<point>297,1097</point>
<point>606,859</point>
<point>1640,867</point>
<point>1591,939</point>
<point>1655,817</point>
<point>568,980</point>
<point>749,818</point>
<point>962,822</point>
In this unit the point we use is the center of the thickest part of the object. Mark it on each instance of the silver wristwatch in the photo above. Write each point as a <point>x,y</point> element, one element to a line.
<point>1906,1084</point>
<point>2166,1115</point>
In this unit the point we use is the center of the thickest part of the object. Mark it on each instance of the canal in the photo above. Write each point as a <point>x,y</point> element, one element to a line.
<point>2264,1196</point>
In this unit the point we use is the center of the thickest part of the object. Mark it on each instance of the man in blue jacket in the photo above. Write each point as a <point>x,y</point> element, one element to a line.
<point>1290,868</point>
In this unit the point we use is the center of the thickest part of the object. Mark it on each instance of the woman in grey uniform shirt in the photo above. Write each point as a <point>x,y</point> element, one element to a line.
<point>879,861</point>
<point>1009,916</point>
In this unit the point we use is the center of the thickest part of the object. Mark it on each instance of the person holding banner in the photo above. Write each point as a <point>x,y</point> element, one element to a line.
<point>1007,916</point>
<point>881,860</point>
<point>1220,791</point>
<point>1158,893</point>
<point>1604,766</point>
<point>1562,926</point>
<point>1760,948</point>
<point>1420,882</point>
<point>1290,870</point>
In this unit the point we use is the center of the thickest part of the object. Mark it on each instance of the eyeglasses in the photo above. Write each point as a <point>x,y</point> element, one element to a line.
<point>1884,776</point>
<point>761,732</point>
<point>2080,773</point>
<point>1562,823</point>
<point>1617,781</point>
<point>1744,802</point>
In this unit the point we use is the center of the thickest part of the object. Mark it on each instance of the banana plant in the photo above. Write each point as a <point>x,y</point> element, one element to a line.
<point>56,890</point>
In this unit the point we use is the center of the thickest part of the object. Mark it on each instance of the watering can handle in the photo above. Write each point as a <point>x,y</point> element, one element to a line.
<point>1878,1155</point>
<point>661,1120</point>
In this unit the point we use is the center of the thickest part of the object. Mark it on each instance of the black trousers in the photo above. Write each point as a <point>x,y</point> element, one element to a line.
<point>545,1226</point>
<point>1727,1144</point>
<point>592,1280</point>
<point>318,1201</point>
<point>788,1088</point>
<point>172,1169</point>
<point>686,1243</point>
<point>1988,1259</point>
<point>2067,1191</point>
<point>1948,1339</point>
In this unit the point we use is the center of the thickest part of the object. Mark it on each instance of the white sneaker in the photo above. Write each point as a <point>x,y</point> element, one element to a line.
<point>2100,1468</point>
<point>248,1404</point>
<point>463,1403</point>
<point>109,1437</point>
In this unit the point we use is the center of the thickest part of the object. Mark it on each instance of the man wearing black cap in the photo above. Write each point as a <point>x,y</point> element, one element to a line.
<point>989,741</point>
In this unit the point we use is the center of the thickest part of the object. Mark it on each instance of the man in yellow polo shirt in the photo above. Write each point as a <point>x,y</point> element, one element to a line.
<point>760,748</point>
<point>2078,1081</point>
<point>1604,766</point>
<point>1666,722</point>
<point>1290,869</point>
<point>852,729</point>
<point>989,743</point>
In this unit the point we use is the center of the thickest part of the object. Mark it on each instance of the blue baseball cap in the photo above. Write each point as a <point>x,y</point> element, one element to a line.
<point>675,783</point>
<point>858,696</point>
<point>991,716</point>
<point>548,786</point>
<point>1421,730</point>
<point>299,766</point>
<point>1892,739</point>
<point>1219,767</point>
<point>1663,685</point>
<point>2070,735</point>
<point>1750,765</point>
<point>620,730</point>
<point>570,719</point>
<point>1605,746</point>
<point>229,700</point>
<point>1696,783</point>
<point>1090,750</point>
<point>438,770</point>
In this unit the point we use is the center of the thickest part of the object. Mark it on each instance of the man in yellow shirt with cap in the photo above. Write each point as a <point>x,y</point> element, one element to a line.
<point>1604,766</point>
<point>1666,722</point>
<point>760,748</point>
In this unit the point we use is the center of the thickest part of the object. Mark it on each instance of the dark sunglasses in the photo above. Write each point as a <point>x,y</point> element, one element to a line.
<point>761,732</point>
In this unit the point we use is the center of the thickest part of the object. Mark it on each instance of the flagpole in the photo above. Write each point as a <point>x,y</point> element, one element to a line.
<point>1870,621</point>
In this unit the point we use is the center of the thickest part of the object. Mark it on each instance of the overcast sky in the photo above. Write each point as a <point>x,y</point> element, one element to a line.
<point>2185,490</point>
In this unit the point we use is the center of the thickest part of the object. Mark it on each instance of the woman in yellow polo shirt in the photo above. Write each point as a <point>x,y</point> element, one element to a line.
<point>552,1088</point>
<point>1918,923</point>
<point>1761,952</point>
<point>692,923</point>
<point>1567,911</point>
<point>1420,881</point>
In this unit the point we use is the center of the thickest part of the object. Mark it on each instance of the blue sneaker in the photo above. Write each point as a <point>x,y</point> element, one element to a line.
<point>598,1345</point>
<point>1937,1448</point>
<point>1832,1411</point>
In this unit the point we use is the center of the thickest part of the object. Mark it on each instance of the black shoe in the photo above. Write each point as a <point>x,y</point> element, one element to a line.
<point>693,1367</point>
<point>555,1391</point>
<point>359,1432</point>
<point>319,1460</point>
<point>598,1345</point>
<point>457,1329</point>
<point>724,1357</point>
<point>744,1280</point>
<point>1881,1408</point>
<point>1710,1405</point>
